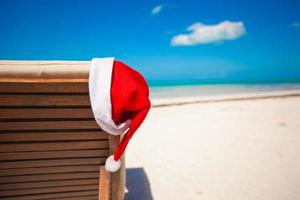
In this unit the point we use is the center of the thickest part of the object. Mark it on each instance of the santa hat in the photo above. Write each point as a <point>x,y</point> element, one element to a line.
<point>120,102</point>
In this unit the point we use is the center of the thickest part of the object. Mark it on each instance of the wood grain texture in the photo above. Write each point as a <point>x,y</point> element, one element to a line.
<point>31,87</point>
<point>52,146</point>
<point>48,170</point>
<point>49,125</point>
<point>44,69</point>
<point>42,184</point>
<point>44,100</point>
<point>117,178</point>
<point>37,80</point>
<point>104,184</point>
<point>51,162</point>
<point>7,193</point>
<point>44,136</point>
<point>78,198</point>
<point>45,113</point>
<point>54,154</point>
<point>49,177</point>
<point>53,195</point>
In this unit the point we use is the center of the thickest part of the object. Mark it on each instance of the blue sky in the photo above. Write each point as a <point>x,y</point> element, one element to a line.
<point>233,40</point>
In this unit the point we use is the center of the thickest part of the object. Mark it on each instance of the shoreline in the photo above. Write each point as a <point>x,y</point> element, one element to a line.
<point>179,101</point>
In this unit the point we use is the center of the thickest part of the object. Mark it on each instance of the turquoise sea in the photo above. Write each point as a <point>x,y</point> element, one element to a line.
<point>208,89</point>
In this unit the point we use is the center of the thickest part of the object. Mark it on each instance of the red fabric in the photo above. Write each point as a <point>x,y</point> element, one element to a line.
<point>130,100</point>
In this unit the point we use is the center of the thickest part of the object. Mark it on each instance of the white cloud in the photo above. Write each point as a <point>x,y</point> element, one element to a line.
<point>296,25</point>
<point>205,34</point>
<point>156,9</point>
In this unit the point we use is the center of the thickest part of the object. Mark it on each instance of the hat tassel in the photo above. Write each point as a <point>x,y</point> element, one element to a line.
<point>112,165</point>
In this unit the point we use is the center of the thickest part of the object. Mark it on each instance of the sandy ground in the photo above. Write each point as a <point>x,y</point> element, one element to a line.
<point>236,150</point>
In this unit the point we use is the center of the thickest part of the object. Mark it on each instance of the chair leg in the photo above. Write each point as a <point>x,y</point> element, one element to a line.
<point>104,184</point>
<point>117,178</point>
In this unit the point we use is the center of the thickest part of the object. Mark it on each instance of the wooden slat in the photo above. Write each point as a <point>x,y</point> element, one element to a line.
<point>52,136</point>
<point>44,100</point>
<point>14,87</point>
<point>48,170</point>
<point>78,198</point>
<point>48,177</point>
<point>54,154</point>
<point>49,193</point>
<point>49,125</point>
<point>45,113</point>
<point>37,80</point>
<point>51,162</point>
<point>51,146</point>
<point>42,184</point>
<point>104,184</point>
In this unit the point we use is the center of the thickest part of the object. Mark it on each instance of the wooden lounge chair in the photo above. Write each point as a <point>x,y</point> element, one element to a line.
<point>50,144</point>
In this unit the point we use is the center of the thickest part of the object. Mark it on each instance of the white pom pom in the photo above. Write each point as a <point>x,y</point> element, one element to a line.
<point>111,165</point>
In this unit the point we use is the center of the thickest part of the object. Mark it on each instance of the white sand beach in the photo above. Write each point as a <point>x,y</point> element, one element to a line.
<point>236,149</point>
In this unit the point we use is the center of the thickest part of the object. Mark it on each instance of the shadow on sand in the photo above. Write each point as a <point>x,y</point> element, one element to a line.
<point>137,184</point>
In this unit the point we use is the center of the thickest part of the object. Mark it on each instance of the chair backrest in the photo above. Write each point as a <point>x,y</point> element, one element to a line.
<point>50,145</point>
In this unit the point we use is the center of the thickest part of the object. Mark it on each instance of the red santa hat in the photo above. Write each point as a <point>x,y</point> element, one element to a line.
<point>120,102</point>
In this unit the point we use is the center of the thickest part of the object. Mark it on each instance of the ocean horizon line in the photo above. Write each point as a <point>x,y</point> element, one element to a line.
<point>212,89</point>
<point>199,82</point>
